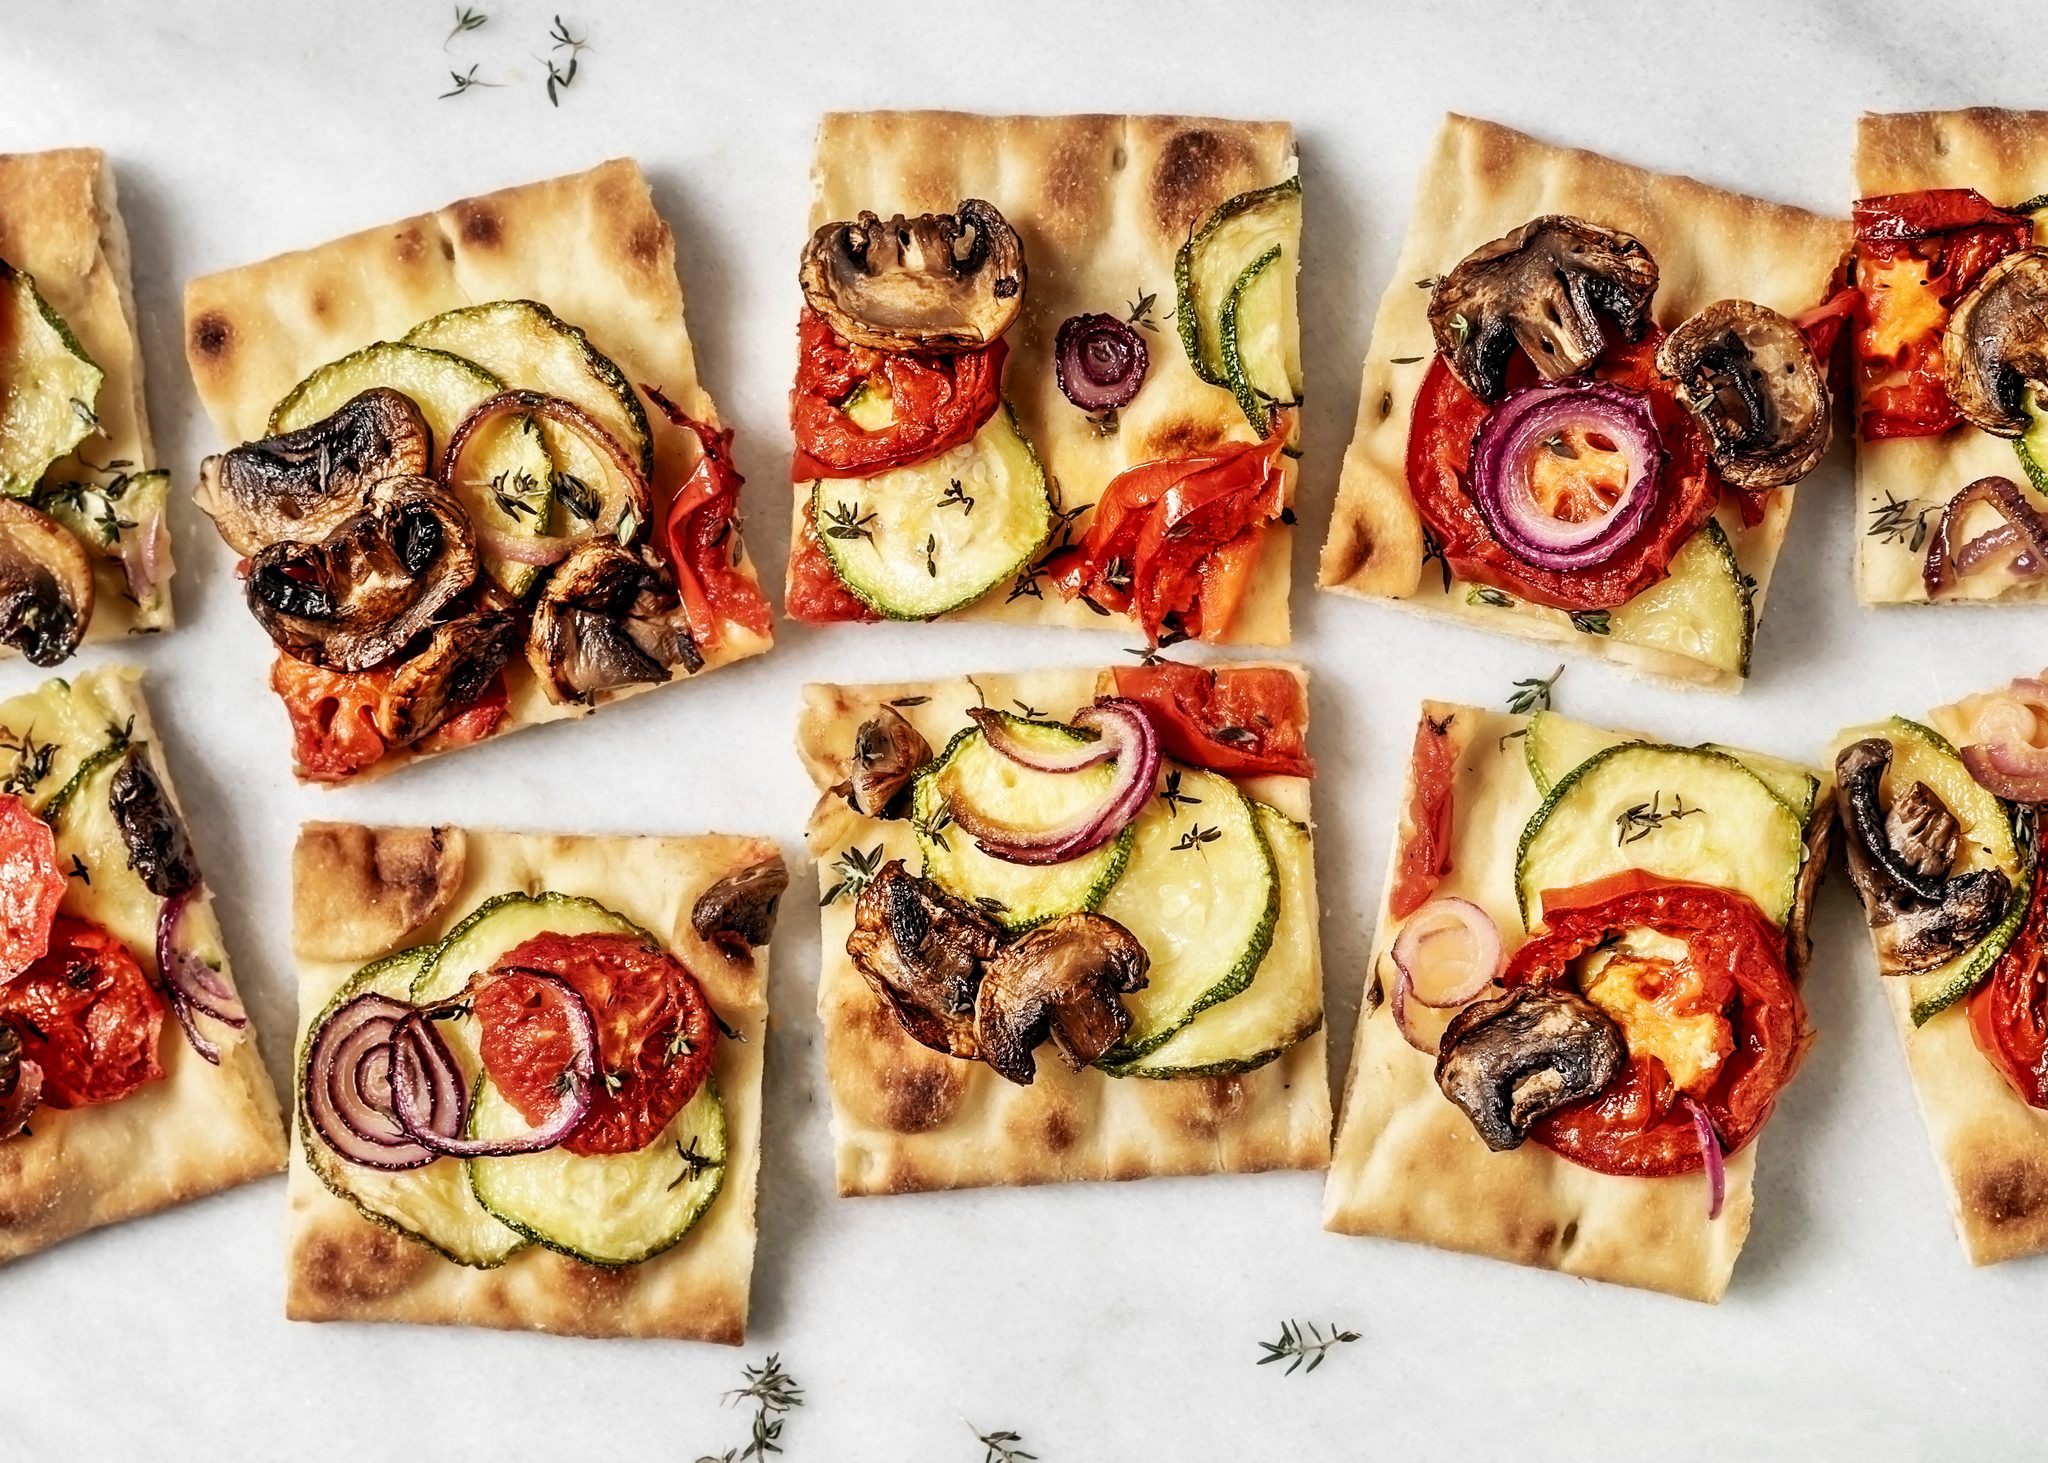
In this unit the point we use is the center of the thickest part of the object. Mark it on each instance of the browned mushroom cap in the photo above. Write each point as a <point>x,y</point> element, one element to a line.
<point>448,673</point>
<point>937,282</point>
<point>358,597</point>
<point>46,589</point>
<point>302,484</point>
<point>159,850</point>
<point>922,950</point>
<point>1820,837</point>
<point>1543,288</point>
<point>737,914</point>
<point>886,751</point>
<point>1509,1060</point>
<point>606,619</point>
<point>1752,382</point>
<point>1060,980</point>
<point>1996,344</point>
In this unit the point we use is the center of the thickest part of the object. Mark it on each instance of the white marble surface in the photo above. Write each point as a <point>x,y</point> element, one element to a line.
<point>1098,1321</point>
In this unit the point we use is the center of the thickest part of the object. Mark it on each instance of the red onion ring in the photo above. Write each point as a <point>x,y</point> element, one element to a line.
<point>631,496</point>
<point>350,1082</point>
<point>1099,362</point>
<point>2004,754</point>
<point>521,548</point>
<point>17,1106</point>
<point>1410,1032</point>
<point>1516,430</point>
<point>1710,1155</point>
<point>194,987</point>
<point>1458,970</point>
<point>1125,735</point>
<point>2023,534</point>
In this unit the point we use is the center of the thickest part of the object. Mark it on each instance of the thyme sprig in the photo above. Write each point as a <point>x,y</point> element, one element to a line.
<point>467,18</point>
<point>846,521</point>
<point>956,496</point>
<point>561,76</point>
<point>1196,836</point>
<point>856,869</point>
<point>31,762</point>
<point>1592,622</point>
<point>1640,821</point>
<point>1533,694</point>
<point>1304,1344</point>
<point>579,497</point>
<point>1141,311</point>
<point>95,502</point>
<point>464,80</point>
<point>774,1394</point>
<point>1901,521</point>
<point>1174,798</point>
<point>696,1163</point>
<point>1060,537</point>
<point>1003,1445</point>
<point>1433,548</point>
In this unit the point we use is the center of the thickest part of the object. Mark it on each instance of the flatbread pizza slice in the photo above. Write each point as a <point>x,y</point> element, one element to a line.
<point>1590,394</point>
<point>1583,999</point>
<point>1950,438</point>
<point>129,1075</point>
<point>85,546</point>
<point>1069,924</point>
<point>528,1079</point>
<point>476,483</point>
<point>1049,372</point>
<point>1943,832</point>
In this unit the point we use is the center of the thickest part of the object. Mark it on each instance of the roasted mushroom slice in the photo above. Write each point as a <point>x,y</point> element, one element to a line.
<point>159,850</point>
<point>937,282</point>
<point>1753,384</point>
<point>46,587</point>
<point>886,751</point>
<point>737,914</point>
<point>1921,914</point>
<point>922,952</point>
<point>21,1083</point>
<point>448,674</point>
<point>1996,344</point>
<point>1543,288</point>
<point>358,597</point>
<point>301,485</point>
<point>606,619</point>
<point>1509,1060</point>
<point>1061,980</point>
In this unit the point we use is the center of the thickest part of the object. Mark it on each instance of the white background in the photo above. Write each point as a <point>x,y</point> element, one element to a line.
<point>1100,1321</point>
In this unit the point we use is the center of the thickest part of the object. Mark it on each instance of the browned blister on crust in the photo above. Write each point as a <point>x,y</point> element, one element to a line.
<point>341,1266</point>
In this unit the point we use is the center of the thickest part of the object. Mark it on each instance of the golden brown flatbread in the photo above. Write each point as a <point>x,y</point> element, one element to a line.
<point>2004,156</point>
<point>589,246</point>
<point>1102,204</point>
<point>361,893</point>
<point>906,1118</point>
<point>1481,181</point>
<point>198,1130</point>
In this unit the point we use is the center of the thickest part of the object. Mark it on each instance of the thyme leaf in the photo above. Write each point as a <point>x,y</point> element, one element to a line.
<point>957,497</point>
<point>464,80</point>
<point>31,762</point>
<point>466,18</point>
<point>561,76</point>
<point>1901,521</point>
<point>1533,694</point>
<point>931,552</point>
<point>1486,594</point>
<point>856,870</point>
<point>1173,797</point>
<point>1303,1344</point>
<point>1634,824</point>
<point>695,1163</point>
<point>1432,548</point>
<point>577,496</point>
<point>1141,311</point>
<point>846,521</point>
<point>1196,836</point>
<point>1003,1445</point>
<point>774,1394</point>
<point>1591,622</point>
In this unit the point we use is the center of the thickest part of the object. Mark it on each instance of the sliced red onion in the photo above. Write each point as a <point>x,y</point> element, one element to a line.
<point>145,553</point>
<point>351,1078</point>
<point>1448,952</point>
<point>2023,535</point>
<point>1710,1156</point>
<point>2005,754</point>
<point>624,506</point>
<point>1404,988</point>
<point>1099,361</point>
<point>517,548</point>
<point>194,987</point>
<point>1126,736</point>
<point>17,1105</point>
<point>1527,423</point>
<point>579,1086</point>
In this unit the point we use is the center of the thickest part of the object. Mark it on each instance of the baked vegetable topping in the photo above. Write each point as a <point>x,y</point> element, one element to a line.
<point>605,619</point>
<point>1515,1058</point>
<point>2009,1014</point>
<point>51,385</point>
<point>1448,951</point>
<point>1123,737</point>
<point>46,585</point>
<point>937,282</point>
<point>1755,386</point>
<point>1241,721</point>
<point>85,1016</point>
<point>1099,362</point>
<point>1567,473</point>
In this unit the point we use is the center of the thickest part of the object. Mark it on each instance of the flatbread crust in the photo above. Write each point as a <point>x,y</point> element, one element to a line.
<point>907,1119</point>
<point>590,246</point>
<point>341,1266</point>
<point>1103,204</point>
<point>2004,156</point>
<point>197,1131</point>
<point>1992,1147</point>
<point>1482,181</point>
<point>1408,1164</point>
<point>60,221</point>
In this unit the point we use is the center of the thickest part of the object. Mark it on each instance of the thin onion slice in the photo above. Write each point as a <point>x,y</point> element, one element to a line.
<point>2023,535</point>
<point>17,1105</point>
<point>195,988</point>
<point>1410,1031</point>
<point>1710,1155</point>
<point>1448,952</point>
<point>1099,362</point>
<point>579,1085</point>
<point>146,553</point>
<point>520,548</point>
<point>1125,736</point>
<point>2006,753</point>
<point>624,511</point>
<point>1528,423</point>
<point>351,1076</point>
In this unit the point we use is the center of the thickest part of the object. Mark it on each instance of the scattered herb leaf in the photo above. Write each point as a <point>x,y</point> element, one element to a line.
<point>1003,1445</point>
<point>1591,622</point>
<point>1640,821</point>
<point>464,80</point>
<point>1173,797</point>
<point>1196,836</point>
<point>1303,1344</point>
<point>1901,521</point>
<point>1533,694</point>
<point>845,521</point>
<point>466,18</point>
<point>856,869</point>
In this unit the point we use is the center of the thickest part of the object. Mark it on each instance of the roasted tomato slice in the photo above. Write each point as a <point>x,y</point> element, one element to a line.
<point>814,594</point>
<point>699,536</point>
<point>937,402</point>
<point>31,886</point>
<point>1241,721</point>
<point>1440,451</point>
<point>656,1034</point>
<point>333,716</point>
<point>2009,1012</point>
<point>1425,853</point>
<point>87,1015</point>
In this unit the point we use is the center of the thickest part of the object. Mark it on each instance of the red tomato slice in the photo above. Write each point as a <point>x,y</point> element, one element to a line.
<point>656,1034</point>
<point>697,528</point>
<point>31,887</point>
<point>1241,721</point>
<point>938,402</point>
<point>1425,855</point>
<point>814,594</point>
<point>87,1015</point>
<point>2009,1012</point>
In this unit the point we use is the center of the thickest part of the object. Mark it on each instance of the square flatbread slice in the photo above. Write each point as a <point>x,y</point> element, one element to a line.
<point>2004,156</point>
<point>198,1129</point>
<point>906,1118</point>
<point>60,221</point>
<point>589,246</point>
<point>360,894</point>
<point>1482,181</point>
<point>1103,205</point>
<point>1408,1164</point>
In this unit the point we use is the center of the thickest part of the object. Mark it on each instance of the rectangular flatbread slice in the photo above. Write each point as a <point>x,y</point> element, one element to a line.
<point>1409,1164</point>
<point>590,247</point>
<point>906,1118</point>
<point>1103,206</point>
<point>362,895</point>
<point>60,222</point>
<point>1902,483</point>
<point>1482,181</point>
<point>196,1129</point>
